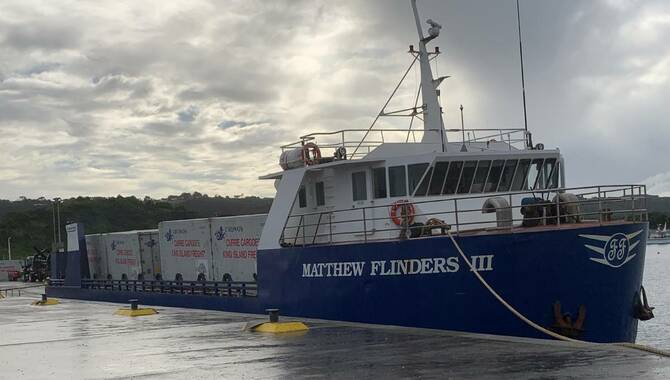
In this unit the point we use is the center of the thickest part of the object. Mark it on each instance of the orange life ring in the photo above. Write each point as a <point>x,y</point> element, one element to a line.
<point>396,216</point>
<point>315,156</point>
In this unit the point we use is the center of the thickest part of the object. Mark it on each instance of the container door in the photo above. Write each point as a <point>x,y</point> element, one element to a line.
<point>147,244</point>
<point>156,253</point>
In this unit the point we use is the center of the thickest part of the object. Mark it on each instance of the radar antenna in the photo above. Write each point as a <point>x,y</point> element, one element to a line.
<point>432,115</point>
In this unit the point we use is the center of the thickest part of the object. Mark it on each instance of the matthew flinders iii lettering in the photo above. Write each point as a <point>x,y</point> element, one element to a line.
<point>430,265</point>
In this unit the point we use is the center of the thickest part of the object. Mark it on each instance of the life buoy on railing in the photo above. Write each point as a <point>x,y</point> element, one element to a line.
<point>311,154</point>
<point>397,212</point>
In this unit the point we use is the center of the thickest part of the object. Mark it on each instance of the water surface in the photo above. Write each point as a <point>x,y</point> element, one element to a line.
<point>656,332</point>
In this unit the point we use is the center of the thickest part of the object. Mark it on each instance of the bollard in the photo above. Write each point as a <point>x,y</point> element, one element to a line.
<point>134,310</point>
<point>274,326</point>
<point>274,315</point>
<point>44,297</point>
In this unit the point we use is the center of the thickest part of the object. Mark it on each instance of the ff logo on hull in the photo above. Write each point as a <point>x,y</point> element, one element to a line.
<point>617,251</point>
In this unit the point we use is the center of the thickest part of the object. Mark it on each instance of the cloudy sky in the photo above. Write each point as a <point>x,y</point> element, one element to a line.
<point>163,97</point>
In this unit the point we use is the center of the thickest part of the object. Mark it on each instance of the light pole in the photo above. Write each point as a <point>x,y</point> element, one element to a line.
<point>57,216</point>
<point>9,247</point>
<point>53,211</point>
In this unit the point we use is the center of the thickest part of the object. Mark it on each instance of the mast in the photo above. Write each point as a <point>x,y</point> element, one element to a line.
<point>523,80</point>
<point>432,114</point>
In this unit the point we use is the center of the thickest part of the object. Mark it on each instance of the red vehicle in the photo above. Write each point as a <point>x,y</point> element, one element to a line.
<point>14,275</point>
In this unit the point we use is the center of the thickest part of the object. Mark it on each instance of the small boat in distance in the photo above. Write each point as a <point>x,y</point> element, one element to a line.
<point>660,236</point>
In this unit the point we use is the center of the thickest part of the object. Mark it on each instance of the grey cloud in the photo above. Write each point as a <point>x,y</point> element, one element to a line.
<point>163,129</point>
<point>39,68</point>
<point>198,95</point>
<point>232,123</point>
<point>45,34</point>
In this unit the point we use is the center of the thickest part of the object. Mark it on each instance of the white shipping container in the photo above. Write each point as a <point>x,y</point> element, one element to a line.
<point>150,254</point>
<point>123,254</point>
<point>234,244</point>
<point>97,256</point>
<point>185,249</point>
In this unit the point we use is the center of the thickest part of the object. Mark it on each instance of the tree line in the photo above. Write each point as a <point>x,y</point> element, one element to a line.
<point>29,222</point>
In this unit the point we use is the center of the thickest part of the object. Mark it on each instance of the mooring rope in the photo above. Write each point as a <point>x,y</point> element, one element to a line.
<point>539,328</point>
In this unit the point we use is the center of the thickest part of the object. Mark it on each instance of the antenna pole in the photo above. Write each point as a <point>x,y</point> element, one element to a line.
<point>462,124</point>
<point>463,148</point>
<point>523,81</point>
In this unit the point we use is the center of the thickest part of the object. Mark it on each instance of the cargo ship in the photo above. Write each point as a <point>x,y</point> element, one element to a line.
<point>412,227</point>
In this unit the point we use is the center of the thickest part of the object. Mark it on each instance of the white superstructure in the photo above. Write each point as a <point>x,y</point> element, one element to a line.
<point>357,185</point>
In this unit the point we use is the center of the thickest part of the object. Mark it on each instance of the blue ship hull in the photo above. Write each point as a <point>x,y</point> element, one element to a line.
<point>600,267</point>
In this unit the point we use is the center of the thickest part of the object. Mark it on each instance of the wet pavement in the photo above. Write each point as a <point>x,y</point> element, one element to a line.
<point>84,340</point>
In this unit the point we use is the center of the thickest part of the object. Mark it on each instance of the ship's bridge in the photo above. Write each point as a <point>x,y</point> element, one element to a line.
<point>333,189</point>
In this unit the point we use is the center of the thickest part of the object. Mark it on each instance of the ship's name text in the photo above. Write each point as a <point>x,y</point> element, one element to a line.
<point>430,265</point>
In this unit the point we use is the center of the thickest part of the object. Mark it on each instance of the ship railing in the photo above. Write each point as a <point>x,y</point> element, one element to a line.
<point>56,282</point>
<point>208,288</point>
<point>596,205</point>
<point>16,290</point>
<point>360,142</point>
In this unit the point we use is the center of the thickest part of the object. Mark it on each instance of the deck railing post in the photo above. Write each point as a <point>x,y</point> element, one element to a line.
<point>456,215</point>
<point>365,229</point>
<point>330,227</point>
<point>302,221</point>
<point>632,201</point>
<point>558,209</point>
<point>297,232</point>
<point>600,207</point>
<point>646,213</point>
<point>316,232</point>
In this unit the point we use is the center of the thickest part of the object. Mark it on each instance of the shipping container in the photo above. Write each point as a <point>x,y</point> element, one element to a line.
<point>97,256</point>
<point>150,255</point>
<point>215,249</point>
<point>124,254</point>
<point>186,249</point>
<point>234,243</point>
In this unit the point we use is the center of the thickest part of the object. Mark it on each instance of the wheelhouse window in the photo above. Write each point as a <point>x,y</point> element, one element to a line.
<point>507,175</point>
<point>453,175</point>
<point>519,182</point>
<point>534,173</point>
<point>423,187</point>
<point>302,197</point>
<point>494,176</point>
<point>320,194</point>
<point>480,176</point>
<point>379,182</point>
<point>414,174</point>
<point>397,181</point>
<point>437,182</point>
<point>467,177</point>
<point>359,186</point>
<point>551,173</point>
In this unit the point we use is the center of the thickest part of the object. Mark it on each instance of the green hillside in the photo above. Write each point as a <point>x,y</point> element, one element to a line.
<point>30,223</point>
